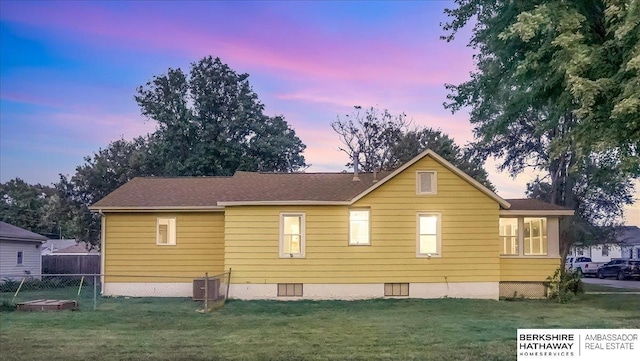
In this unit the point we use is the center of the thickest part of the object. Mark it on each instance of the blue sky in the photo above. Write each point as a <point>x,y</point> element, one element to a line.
<point>69,70</point>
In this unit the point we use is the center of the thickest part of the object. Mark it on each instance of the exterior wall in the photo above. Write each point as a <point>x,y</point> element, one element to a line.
<point>470,250</point>
<point>132,256</point>
<point>356,291</point>
<point>534,268</point>
<point>615,251</point>
<point>31,261</point>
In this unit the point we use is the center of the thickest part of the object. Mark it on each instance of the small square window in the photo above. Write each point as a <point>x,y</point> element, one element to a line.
<point>289,289</point>
<point>166,232</point>
<point>426,182</point>
<point>396,289</point>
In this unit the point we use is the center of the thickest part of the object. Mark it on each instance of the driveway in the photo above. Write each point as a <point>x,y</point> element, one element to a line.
<point>611,282</point>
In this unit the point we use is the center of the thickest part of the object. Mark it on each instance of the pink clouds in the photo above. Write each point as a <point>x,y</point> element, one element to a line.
<point>272,41</point>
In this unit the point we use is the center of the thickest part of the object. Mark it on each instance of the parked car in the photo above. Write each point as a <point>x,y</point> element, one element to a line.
<point>620,269</point>
<point>583,265</point>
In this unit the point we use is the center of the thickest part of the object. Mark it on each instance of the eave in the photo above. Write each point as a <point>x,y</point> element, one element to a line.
<point>157,209</point>
<point>536,212</point>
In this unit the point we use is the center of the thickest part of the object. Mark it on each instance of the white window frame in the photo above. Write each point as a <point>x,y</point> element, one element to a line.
<point>20,258</point>
<point>438,235</point>
<point>351,241</point>
<point>170,222</point>
<point>518,237</point>
<point>303,231</point>
<point>434,182</point>
<point>521,241</point>
<point>531,240</point>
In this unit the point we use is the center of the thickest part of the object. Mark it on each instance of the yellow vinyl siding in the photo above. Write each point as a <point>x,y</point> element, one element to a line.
<point>527,269</point>
<point>469,219</point>
<point>131,250</point>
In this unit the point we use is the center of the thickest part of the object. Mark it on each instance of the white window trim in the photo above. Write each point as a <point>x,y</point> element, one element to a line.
<point>18,258</point>
<point>546,254</point>
<point>171,231</point>
<point>434,182</point>
<point>351,243</point>
<point>303,236</point>
<point>521,253</point>
<point>438,235</point>
<point>519,237</point>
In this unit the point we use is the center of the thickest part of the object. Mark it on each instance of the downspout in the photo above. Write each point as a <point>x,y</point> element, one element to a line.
<point>103,232</point>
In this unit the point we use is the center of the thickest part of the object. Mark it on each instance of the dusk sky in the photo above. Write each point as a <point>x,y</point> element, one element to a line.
<point>69,70</point>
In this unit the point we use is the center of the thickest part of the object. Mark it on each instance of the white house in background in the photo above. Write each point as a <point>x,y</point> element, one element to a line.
<point>67,247</point>
<point>19,251</point>
<point>627,245</point>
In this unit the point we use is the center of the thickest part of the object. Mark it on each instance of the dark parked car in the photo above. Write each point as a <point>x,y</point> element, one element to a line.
<point>620,269</point>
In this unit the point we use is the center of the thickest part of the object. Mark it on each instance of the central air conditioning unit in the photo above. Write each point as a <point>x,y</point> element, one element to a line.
<point>212,289</point>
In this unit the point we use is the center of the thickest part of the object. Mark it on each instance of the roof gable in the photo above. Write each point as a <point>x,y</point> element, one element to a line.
<point>503,203</point>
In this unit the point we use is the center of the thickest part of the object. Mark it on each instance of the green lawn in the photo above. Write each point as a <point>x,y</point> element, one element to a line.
<point>170,329</point>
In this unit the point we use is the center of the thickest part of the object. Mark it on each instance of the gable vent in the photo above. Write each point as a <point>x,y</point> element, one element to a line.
<point>426,182</point>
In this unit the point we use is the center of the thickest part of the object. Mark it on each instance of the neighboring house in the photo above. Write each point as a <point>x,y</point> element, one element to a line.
<point>425,230</point>
<point>55,245</point>
<point>67,247</point>
<point>67,256</point>
<point>626,245</point>
<point>19,252</point>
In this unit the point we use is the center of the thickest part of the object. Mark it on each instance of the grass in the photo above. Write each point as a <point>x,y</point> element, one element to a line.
<point>590,287</point>
<point>170,329</point>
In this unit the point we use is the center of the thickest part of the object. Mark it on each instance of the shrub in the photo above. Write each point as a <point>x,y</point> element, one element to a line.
<point>564,286</point>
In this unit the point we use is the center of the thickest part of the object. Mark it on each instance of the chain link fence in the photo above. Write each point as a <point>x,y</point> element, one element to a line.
<point>88,292</point>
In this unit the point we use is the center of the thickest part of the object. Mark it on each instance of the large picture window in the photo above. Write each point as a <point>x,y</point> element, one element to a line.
<point>166,232</point>
<point>509,236</point>
<point>292,235</point>
<point>359,227</point>
<point>428,234</point>
<point>535,236</point>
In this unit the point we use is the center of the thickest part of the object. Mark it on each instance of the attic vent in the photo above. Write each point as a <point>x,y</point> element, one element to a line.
<point>427,182</point>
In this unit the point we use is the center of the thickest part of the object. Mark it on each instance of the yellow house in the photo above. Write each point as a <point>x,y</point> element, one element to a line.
<point>425,230</point>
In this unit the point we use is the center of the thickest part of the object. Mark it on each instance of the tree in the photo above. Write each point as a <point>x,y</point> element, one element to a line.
<point>384,141</point>
<point>212,123</point>
<point>556,90</point>
<point>23,205</point>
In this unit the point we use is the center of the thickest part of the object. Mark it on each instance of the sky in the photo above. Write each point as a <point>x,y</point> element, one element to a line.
<point>69,71</point>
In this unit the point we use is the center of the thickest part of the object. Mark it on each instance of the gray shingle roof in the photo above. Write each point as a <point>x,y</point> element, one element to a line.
<point>242,187</point>
<point>9,232</point>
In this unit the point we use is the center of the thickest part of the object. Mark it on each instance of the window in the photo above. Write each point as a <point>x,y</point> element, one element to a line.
<point>426,182</point>
<point>20,257</point>
<point>359,227</point>
<point>605,250</point>
<point>292,228</point>
<point>289,289</point>
<point>535,236</point>
<point>396,289</point>
<point>166,232</point>
<point>509,236</point>
<point>428,234</point>
<point>580,251</point>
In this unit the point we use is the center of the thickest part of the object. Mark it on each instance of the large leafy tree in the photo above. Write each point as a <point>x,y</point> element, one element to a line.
<point>383,141</point>
<point>210,122</point>
<point>24,205</point>
<point>556,89</point>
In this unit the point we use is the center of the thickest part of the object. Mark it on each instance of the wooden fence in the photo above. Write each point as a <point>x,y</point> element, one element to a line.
<point>73,264</point>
